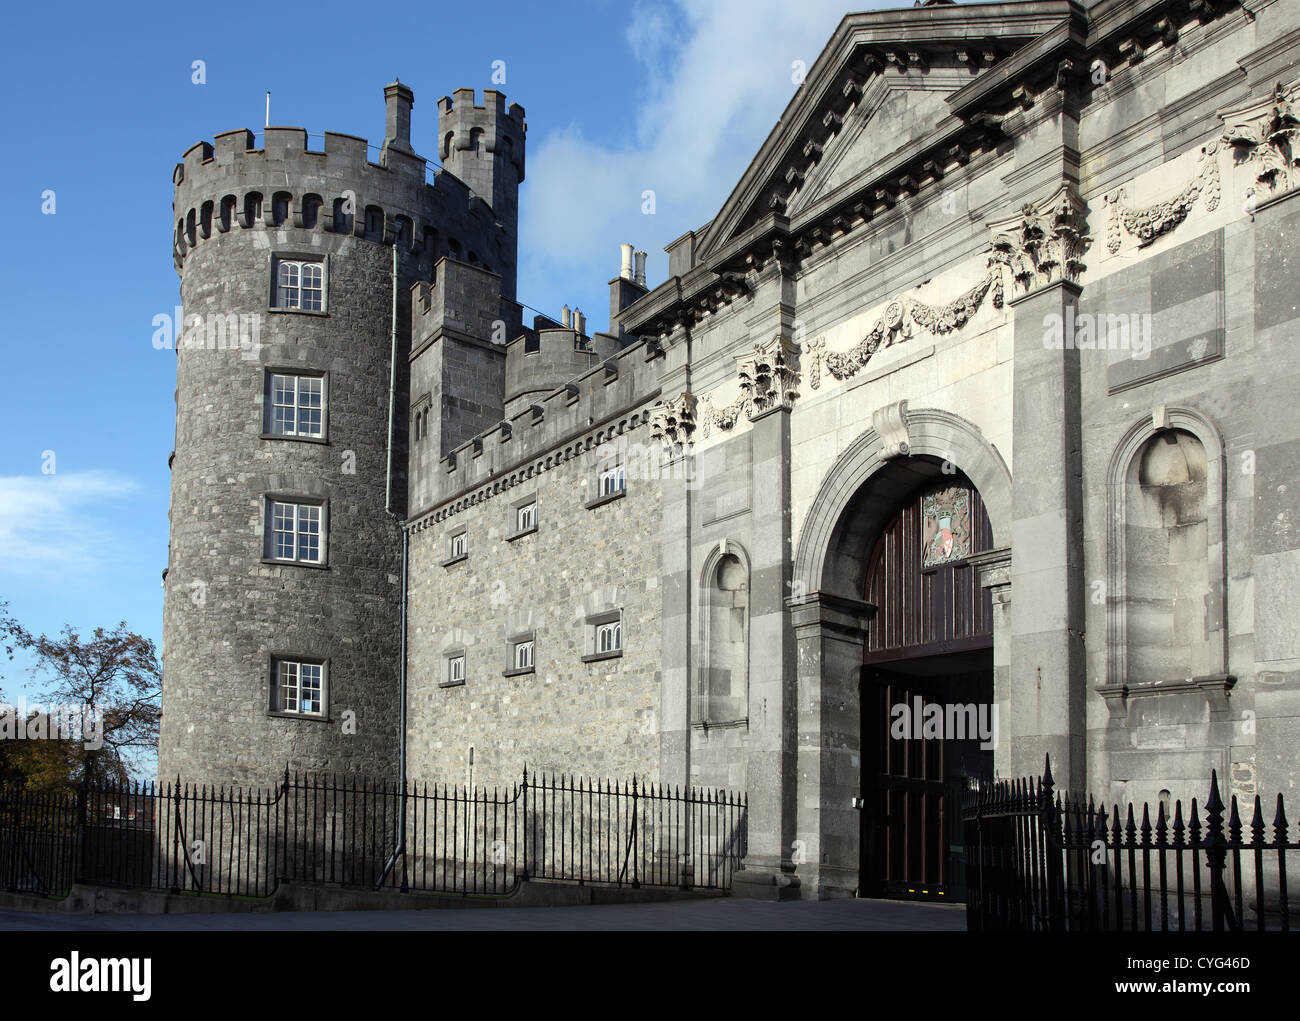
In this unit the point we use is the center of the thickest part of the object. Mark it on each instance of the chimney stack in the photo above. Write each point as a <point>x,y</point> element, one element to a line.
<point>566,317</point>
<point>640,269</point>
<point>580,322</point>
<point>398,100</point>
<point>626,270</point>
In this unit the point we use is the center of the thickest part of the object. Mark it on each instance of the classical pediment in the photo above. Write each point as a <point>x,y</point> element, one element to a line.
<point>880,88</point>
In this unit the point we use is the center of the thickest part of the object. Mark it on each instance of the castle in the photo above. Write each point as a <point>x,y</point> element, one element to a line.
<point>972,407</point>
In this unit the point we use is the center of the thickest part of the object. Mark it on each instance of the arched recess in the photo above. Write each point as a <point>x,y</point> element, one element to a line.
<point>722,686</point>
<point>1121,486</point>
<point>847,513</point>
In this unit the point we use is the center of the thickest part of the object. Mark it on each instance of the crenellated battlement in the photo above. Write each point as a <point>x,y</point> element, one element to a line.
<point>385,194</point>
<point>464,125</point>
<point>463,301</point>
<point>542,360</point>
<point>228,184</point>
<point>604,404</point>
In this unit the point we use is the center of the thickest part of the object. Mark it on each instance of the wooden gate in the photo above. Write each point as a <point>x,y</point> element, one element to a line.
<point>929,644</point>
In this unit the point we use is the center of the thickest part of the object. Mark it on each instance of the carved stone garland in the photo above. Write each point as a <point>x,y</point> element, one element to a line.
<point>895,325</point>
<point>1266,136</point>
<point>1151,222</point>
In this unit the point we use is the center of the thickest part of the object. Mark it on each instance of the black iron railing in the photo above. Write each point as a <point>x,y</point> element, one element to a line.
<point>1045,861</point>
<point>345,831</point>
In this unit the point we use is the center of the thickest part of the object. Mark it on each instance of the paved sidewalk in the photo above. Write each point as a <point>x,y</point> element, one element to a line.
<point>715,914</point>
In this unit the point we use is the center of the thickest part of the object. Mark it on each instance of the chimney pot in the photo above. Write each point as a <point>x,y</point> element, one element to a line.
<point>626,270</point>
<point>640,268</point>
<point>566,317</point>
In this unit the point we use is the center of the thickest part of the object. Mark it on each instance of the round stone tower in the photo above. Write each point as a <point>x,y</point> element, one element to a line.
<point>283,586</point>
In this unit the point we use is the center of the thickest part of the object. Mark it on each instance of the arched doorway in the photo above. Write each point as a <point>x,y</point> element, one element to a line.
<point>926,688</point>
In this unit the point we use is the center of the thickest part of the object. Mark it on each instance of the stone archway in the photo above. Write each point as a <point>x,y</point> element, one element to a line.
<point>854,503</point>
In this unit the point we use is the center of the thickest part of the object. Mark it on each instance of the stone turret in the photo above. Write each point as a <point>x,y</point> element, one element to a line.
<point>292,261</point>
<point>484,147</point>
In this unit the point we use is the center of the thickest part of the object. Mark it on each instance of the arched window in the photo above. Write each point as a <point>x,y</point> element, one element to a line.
<point>722,694</point>
<point>309,211</point>
<point>342,216</point>
<point>227,216</point>
<point>280,208</point>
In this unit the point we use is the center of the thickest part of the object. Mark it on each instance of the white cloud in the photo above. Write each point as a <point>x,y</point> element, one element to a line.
<point>53,525</point>
<point>711,78</point>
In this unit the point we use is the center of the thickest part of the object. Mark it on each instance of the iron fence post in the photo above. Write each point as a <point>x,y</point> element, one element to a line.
<point>523,876</point>
<point>1049,823</point>
<point>174,886</point>
<point>1216,855</point>
<point>636,879</point>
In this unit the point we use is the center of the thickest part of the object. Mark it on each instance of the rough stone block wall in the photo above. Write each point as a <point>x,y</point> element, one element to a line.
<point>226,612</point>
<point>596,719</point>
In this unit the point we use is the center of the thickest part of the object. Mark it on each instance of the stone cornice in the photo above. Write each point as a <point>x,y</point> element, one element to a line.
<point>533,466</point>
<point>1045,73</point>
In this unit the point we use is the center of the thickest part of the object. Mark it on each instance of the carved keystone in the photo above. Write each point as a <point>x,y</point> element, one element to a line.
<point>890,423</point>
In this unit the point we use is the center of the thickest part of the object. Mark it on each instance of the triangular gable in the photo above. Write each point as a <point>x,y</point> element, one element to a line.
<point>880,85</point>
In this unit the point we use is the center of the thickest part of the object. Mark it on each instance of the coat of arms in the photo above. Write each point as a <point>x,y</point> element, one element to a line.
<point>945,526</point>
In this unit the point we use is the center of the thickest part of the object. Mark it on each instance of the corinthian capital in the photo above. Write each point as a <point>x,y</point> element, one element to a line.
<point>1044,242</point>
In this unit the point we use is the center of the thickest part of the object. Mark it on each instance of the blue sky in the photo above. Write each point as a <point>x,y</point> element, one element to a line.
<point>99,105</point>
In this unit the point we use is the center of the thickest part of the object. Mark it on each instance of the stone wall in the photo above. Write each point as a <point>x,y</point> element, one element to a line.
<point>595,718</point>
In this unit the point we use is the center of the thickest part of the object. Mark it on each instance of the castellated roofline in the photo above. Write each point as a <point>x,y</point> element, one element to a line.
<point>463,125</point>
<point>215,181</point>
<point>463,301</point>
<point>493,102</point>
<point>607,403</point>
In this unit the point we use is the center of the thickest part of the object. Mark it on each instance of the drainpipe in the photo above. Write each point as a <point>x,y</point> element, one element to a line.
<point>399,848</point>
<point>692,654</point>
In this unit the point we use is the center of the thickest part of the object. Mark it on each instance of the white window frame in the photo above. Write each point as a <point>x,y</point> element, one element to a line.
<point>526,517</point>
<point>459,545</point>
<point>297,408</point>
<point>522,654</point>
<point>292,678</point>
<point>613,480</point>
<point>300,518</point>
<point>295,293</point>
<point>613,631</point>
<point>456,669</point>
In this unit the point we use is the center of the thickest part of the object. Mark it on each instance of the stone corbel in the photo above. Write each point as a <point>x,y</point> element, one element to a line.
<point>1044,243</point>
<point>993,569</point>
<point>890,423</point>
